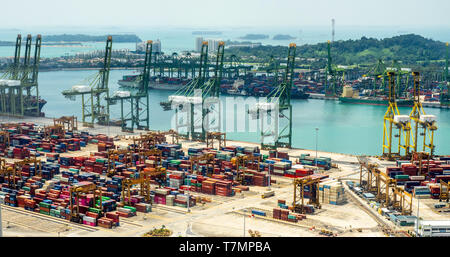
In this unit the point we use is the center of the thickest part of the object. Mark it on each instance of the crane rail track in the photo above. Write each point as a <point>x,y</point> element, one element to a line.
<point>49,218</point>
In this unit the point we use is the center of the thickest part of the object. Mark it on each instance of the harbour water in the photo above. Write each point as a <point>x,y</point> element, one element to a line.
<point>343,128</point>
<point>177,39</point>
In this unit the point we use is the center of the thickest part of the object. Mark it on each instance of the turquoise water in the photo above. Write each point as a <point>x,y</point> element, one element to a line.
<point>181,39</point>
<point>345,128</point>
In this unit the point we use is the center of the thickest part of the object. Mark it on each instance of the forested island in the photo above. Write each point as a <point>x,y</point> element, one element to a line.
<point>409,49</point>
<point>254,36</point>
<point>282,37</point>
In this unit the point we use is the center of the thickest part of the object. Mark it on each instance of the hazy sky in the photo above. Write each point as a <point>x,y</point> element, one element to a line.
<point>223,13</point>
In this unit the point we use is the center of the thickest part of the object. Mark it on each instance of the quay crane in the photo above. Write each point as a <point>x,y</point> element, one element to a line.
<point>278,107</point>
<point>19,90</point>
<point>139,114</point>
<point>183,99</point>
<point>393,118</point>
<point>420,118</point>
<point>210,107</point>
<point>198,98</point>
<point>92,95</point>
<point>330,89</point>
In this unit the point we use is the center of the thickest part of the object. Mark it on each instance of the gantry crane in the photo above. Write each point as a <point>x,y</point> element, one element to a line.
<point>54,130</point>
<point>83,188</point>
<point>300,185</point>
<point>443,192</point>
<point>420,157</point>
<point>330,88</point>
<point>207,158</point>
<point>147,141</point>
<point>18,165</point>
<point>400,74</point>
<point>371,182</point>
<point>94,96</point>
<point>5,140</point>
<point>385,188</point>
<point>184,100</point>
<point>393,118</point>
<point>138,115</point>
<point>221,138</point>
<point>69,123</point>
<point>241,166</point>
<point>377,73</point>
<point>143,181</point>
<point>420,118</point>
<point>7,171</point>
<point>210,113</point>
<point>278,107</point>
<point>19,91</point>
<point>273,67</point>
<point>113,155</point>
<point>144,154</point>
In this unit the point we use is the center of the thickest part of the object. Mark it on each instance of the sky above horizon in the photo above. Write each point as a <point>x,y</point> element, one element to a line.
<point>226,13</point>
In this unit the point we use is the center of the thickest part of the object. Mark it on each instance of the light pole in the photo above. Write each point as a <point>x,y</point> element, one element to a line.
<point>244,225</point>
<point>317,139</point>
<point>417,223</point>
<point>1,231</point>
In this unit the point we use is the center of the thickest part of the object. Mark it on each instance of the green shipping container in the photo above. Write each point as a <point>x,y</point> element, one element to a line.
<point>130,208</point>
<point>45,205</point>
<point>95,210</point>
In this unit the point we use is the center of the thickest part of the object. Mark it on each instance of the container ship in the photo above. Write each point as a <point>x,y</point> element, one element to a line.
<point>250,86</point>
<point>350,97</point>
<point>164,83</point>
<point>258,86</point>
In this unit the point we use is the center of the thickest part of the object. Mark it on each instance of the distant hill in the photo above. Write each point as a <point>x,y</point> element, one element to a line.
<point>254,36</point>
<point>124,38</point>
<point>409,49</point>
<point>282,37</point>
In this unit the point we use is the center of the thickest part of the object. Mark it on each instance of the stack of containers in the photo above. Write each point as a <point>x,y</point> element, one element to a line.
<point>170,200</point>
<point>421,192</point>
<point>332,192</point>
<point>223,188</point>
<point>208,187</point>
<point>160,195</point>
<point>409,169</point>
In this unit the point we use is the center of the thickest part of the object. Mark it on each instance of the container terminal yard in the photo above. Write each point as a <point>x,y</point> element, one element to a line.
<point>102,177</point>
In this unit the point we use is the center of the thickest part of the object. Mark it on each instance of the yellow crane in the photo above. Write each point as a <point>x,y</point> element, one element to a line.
<point>83,188</point>
<point>54,130</point>
<point>221,138</point>
<point>385,188</point>
<point>69,123</point>
<point>207,158</point>
<point>393,120</point>
<point>144,190</point>
<point>300,184</point>
<point>241,166</point>
<point>443,192</point>
<point>113,155</point>
<point>5,139</point>
<point>421,120</point>
<point>144,154</point>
